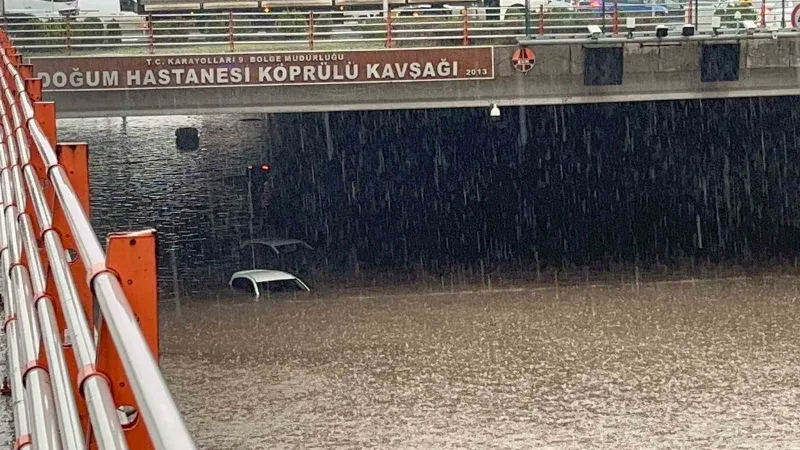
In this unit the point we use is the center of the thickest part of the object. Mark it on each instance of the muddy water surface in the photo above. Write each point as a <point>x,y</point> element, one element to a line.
<point>685,365</point>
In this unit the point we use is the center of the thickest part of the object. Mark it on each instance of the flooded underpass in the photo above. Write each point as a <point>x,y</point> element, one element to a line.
<point>393,349</point>
<point>694,364</point>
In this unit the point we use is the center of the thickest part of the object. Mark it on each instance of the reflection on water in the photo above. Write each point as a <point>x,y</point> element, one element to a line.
<point>683,365</point>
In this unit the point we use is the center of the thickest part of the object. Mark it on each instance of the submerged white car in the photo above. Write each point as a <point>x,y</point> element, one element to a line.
<point>259,282</point>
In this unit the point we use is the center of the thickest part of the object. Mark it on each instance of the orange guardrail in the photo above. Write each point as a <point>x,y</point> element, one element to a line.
<point>75,383</point>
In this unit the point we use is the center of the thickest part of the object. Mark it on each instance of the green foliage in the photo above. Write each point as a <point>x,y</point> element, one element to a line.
<point>172,29</point>
<point>291,24</point>
<point>87,32</point>
<point>37,34</point>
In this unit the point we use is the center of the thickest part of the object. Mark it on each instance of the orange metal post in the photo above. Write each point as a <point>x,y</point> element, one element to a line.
<point>132,256</point>
<point>616,19</point>
<point>763,13</point>
<point>75,159</point>
<point>26,71</point>
<point>7,44</point>
<point>45,114</point>
<point>33,86</point>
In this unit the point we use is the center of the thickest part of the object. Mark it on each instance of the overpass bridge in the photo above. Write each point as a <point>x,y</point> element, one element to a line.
<point>80,322</point>
<point>232,63</point>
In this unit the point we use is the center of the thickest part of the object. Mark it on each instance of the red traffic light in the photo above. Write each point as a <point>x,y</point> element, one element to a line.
<point>265,167</point>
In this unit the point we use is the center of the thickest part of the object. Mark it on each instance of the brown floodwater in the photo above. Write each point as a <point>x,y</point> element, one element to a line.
<point>706,364</point>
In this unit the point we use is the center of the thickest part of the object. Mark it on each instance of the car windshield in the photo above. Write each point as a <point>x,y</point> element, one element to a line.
<point>274,287</point>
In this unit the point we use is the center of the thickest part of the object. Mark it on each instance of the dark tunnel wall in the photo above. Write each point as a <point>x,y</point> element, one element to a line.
<point>577,184</point>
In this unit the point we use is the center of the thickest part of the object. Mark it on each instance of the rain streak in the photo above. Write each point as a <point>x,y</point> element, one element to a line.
<point>591,276</point>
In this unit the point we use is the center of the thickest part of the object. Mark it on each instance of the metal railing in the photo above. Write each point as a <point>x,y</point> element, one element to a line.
<point>35,285</point>
<point>260,31</point>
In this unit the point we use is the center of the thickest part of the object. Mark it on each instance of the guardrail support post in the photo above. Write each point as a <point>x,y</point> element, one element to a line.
<point>527,17</point>
<point>465,17</point>
<point>45,114</point>
<point>311,30</point>
<point>33,86</point>
<point>26,71</point>
<point>74,157</point>
<point>603,25</point>
<point>231,44</point>
<point>68,36</point>
<point>388,29</point>
<point>783,14</point>
<point>132,256</point>
<point>151,44</point>
<point>541,20</point>
<point>690,13</point>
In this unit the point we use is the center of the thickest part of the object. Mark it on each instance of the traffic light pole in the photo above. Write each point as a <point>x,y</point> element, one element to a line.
<point>250,205</point>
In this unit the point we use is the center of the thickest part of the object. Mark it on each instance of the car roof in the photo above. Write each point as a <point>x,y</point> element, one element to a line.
<point>275,243</point>
<point>262,275</point>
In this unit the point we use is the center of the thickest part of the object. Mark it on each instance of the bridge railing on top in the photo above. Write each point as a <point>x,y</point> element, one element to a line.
<point>77,377</point>
<point>328,30</point>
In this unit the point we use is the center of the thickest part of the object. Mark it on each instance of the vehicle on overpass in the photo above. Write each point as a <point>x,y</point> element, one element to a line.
<point>625,6</point>
<point>399,7</point>
<point>89,19</point>
<point>212,6</point>
<point>264,283</point>
<point>515,9</point>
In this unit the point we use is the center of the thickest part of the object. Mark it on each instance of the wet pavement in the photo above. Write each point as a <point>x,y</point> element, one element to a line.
<point>707,364</point>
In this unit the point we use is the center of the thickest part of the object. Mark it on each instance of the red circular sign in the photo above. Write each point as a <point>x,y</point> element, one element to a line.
<point>523,59</point>
<point>795,16</point>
